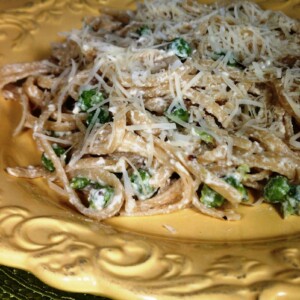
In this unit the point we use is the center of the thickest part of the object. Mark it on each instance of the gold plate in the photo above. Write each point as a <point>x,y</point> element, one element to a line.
<point>159,257</point>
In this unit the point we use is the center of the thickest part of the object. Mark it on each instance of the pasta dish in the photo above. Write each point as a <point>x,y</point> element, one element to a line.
<point>174,105</point>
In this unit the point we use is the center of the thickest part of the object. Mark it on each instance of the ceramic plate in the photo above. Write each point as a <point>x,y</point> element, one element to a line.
<point>128,258</point>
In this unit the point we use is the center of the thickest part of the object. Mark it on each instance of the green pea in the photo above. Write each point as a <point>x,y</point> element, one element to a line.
<point>89,98</point>
<point>211,198</point>
<point>276,189</point>
<point>291,205</point>
<point>235,182</point>
<point>103,116</point>
<point>180,47</point>
<point>143,30</point>
<point>47,163</point>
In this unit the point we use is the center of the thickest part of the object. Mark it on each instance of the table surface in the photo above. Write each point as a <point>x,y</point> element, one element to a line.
<point>19,284</point>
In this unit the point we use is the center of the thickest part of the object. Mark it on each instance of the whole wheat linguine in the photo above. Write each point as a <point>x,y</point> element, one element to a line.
<point>179,96</point>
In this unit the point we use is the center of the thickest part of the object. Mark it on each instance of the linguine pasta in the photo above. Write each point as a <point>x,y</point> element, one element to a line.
<point>171,106</point>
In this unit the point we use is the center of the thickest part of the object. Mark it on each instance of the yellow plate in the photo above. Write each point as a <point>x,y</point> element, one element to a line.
<point>160,257</point>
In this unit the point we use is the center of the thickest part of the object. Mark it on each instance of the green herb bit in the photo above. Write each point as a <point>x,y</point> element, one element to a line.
<point>79,183</point>
<point>204,136</point>
<point>180,47</point>
<point>99,198</point>
<point>141,185</point>
<point>243,170</point>
<point>47,163</point>
<point>211,198</point>
<point>276,189</point>
<point>235,182</point>
<point>59,151</point>
<point>232,61</point>
<point>144,30</point>
<point>181,114</point>
<point>103,116</point>
<point>89,98</point>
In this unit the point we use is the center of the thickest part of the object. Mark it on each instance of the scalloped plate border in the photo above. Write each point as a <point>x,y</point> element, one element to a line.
<point>74,254</point>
